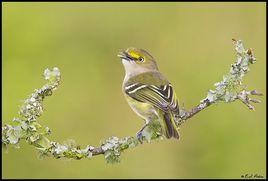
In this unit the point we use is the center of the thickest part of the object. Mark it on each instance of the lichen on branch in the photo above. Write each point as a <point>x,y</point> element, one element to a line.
<point>230,88</point>
<point>26,126</point>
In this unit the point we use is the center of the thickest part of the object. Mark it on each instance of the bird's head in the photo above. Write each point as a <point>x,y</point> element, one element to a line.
<point>137,60</point>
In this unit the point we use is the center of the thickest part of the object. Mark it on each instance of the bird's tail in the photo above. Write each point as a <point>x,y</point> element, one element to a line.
<point>170,128</point>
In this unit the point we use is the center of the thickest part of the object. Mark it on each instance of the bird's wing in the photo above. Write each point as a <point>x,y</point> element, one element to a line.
<point>162,97</point>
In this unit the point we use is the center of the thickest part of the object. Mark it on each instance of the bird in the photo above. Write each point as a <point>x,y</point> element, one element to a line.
<point>149,94</point>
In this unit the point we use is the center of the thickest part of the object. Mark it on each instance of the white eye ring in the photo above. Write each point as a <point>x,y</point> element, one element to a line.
<point>141,59</point>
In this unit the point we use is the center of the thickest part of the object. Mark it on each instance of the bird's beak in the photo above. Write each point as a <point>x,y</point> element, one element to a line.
<point>124,55</point>
<point>121,54</point>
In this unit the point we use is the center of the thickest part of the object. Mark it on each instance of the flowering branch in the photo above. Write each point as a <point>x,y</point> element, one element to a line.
<point>26,127</point>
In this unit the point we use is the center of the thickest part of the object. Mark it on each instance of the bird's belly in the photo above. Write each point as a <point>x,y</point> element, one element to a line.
<point>144,110</point>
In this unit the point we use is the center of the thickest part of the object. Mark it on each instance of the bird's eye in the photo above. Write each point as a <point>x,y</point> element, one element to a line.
<point>141,59</point>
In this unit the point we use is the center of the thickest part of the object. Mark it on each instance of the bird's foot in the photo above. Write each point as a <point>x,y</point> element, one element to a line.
<point>139,136</point>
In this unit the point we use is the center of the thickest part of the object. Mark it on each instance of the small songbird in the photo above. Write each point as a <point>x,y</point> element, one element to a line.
<point>148,92</point>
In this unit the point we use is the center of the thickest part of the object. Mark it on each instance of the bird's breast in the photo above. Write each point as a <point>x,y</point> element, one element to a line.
<point>142,109</point>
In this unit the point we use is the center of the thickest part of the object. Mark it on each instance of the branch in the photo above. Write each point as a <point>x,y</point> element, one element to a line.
<point>231,87</point>
<point>26,127</point>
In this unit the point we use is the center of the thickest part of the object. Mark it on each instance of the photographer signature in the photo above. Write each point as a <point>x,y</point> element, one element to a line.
<point>251,175</point>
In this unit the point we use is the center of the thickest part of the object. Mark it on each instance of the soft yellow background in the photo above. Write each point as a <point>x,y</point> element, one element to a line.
<point>193,47</point>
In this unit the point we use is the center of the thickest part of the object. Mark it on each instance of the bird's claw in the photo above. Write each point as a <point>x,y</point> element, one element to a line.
<point>139,136</point>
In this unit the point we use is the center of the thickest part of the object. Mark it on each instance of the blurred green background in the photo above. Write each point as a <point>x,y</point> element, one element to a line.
<point>193,47</point>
